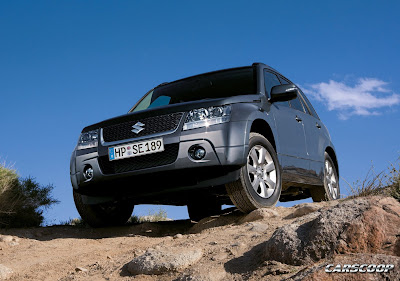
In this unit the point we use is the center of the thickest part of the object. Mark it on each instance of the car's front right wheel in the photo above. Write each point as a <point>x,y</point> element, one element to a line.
<point>105,214</point>
<point>260,181</point>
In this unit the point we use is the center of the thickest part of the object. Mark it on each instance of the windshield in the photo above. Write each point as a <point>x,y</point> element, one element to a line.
<point>221,84</point>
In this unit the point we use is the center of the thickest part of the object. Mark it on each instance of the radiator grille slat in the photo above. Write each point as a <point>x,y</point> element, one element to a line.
<point>152,125</point>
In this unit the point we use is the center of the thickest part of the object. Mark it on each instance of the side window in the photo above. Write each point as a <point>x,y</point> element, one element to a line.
<point>313,112</point>
<point>283,80</point>
<point>296,104</point>
<point>270,80</point>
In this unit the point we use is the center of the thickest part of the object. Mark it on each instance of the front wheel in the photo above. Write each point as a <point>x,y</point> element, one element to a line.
<point>260,181</point>
<point>105,214</point>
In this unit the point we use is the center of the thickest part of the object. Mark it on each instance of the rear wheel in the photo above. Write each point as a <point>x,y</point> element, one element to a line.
<point>331,189</point>
<point>105,214</point>
<point>203,209</point>
<point>260,182</point>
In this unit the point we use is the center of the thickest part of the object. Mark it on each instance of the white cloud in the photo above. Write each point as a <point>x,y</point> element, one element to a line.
<point>367,97</point>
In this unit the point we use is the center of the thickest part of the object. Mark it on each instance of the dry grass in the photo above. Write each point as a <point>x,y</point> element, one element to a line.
<point>8,181</point>
<point>152,216</point>
<point>22,200</point>
<point>383,183</point>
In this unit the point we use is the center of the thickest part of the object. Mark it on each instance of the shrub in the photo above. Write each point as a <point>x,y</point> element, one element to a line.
<point>22,200</point>
<point>394,181</point>
<point>384,183</point>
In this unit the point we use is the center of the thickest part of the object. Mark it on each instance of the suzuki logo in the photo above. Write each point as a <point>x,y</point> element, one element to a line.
<point>137,128</point>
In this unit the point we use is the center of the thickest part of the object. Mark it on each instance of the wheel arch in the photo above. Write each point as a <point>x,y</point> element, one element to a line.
<point>262,127</point>
<point>332,154</point>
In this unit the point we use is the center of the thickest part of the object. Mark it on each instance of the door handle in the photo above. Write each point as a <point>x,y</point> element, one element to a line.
<point>298,119</point>
<point>318,125</point>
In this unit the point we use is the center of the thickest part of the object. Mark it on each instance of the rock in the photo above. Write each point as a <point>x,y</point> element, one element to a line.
<point>8,238</point>
<point>372,232</point>
<point>178,236</point>
<point>260,214</point>
<point>304,244</point>
<point>303,209</point>
<point>5,272</point>
<point>216,221</point>
<point>206,274</point>
<point>353,226</point>
<point>239,245</point>
<point>258,227</point>
<point>164,260</point>
<point>80,269</point>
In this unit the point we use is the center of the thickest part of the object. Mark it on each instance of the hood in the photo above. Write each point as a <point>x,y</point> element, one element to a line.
<point>179,107</point>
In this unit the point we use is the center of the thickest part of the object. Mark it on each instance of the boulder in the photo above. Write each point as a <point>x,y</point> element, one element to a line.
<point>260,214</point>
<point>164,260</point>
<point>303,209</point>
<point>359,225</point>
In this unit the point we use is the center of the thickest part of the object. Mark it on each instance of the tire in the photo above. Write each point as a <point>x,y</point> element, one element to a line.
<point>198,211</point>
<point>330,190</point>
<point>106,214</point>
<point>262,172</point>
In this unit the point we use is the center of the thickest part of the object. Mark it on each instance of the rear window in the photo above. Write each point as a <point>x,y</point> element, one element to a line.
<point>221,84</point>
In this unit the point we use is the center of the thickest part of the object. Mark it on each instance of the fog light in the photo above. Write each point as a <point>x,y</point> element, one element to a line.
<point>88,172</point>
<point>197,152</point>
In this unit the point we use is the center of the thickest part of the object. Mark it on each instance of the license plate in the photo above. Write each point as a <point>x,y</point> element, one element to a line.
<point>135,149</point>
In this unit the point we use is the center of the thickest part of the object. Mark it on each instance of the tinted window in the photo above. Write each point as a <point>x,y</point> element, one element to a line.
<point>270,80</point>
<point>313,112</point>
<point>296,104</point>
<point>283,80</point>
<point>221,84</point>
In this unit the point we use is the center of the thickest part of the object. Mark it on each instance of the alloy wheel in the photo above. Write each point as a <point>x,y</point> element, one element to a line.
<point>331,180</point>
<point>261,171</point>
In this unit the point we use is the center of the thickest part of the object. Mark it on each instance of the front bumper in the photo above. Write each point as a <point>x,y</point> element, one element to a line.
<point>225,153</point>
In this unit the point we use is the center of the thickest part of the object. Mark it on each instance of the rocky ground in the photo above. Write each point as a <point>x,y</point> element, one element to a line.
<point>269,244</point>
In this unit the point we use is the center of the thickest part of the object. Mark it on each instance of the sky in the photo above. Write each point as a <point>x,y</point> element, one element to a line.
<point>68,64</point>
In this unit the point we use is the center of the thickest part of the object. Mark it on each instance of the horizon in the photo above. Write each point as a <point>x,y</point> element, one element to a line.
<point>67,65</point>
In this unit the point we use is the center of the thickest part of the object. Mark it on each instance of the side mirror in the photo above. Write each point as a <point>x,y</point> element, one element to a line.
<point>283,93</point>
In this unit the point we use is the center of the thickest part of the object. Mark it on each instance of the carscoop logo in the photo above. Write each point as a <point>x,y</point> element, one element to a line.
<point>363,268</point>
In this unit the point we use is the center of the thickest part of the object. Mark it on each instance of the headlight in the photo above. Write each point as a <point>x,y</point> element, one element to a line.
<point>204,117</point>
<point>88,139</point>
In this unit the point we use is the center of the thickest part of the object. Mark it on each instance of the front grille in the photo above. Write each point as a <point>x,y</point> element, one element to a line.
<point>152,125</point>
<point>166,157</point>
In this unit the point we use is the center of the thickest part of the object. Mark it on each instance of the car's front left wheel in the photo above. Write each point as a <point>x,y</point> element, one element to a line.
<point>260,181</point>
<point>105,214</point>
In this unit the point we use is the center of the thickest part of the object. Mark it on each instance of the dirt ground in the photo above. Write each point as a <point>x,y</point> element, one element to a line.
<point>78,253</point>
<point>232,246</point>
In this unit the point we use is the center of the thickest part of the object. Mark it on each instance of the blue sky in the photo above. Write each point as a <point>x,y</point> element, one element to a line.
<point>67,64</point>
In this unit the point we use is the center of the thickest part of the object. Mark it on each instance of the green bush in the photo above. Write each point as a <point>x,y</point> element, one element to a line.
<point>22,200</point>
